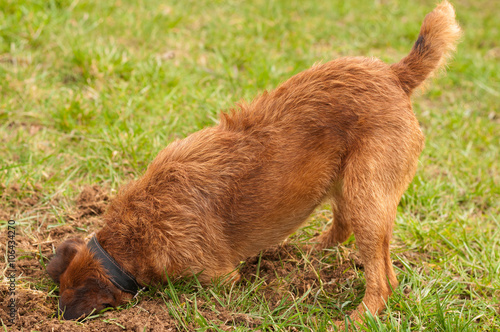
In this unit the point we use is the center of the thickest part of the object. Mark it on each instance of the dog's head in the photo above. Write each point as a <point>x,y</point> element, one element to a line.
<point>84,286</point>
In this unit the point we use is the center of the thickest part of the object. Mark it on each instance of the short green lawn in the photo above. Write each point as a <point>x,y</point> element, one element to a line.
<point>91,91</point>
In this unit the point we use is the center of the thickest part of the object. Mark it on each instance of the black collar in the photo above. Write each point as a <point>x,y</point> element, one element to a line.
<point>118,276</point>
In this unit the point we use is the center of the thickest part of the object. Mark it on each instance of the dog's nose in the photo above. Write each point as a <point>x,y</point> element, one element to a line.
<point>67,313</point>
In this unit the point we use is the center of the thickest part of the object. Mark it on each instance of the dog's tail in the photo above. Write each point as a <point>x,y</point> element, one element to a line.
<point>437,39</point>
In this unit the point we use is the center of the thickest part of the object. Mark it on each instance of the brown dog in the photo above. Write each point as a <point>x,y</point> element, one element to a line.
<point>342,131</point>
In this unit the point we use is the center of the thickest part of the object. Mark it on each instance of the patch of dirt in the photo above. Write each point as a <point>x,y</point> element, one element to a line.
<point>92,201</point>
<point>35,244</point>
<point>31,304</point>
<point>36,311</point>
<point>284,272</point>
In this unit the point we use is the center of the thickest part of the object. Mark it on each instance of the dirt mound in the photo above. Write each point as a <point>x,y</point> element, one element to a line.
<point>92,201</point>
<point>283,274</point>
<point>36,295</point>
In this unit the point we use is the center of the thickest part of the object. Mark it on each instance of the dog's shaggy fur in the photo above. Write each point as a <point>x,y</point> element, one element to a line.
<point>342,131</point>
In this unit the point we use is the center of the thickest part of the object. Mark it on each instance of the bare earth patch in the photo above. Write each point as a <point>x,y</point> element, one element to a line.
<point>285,272</point>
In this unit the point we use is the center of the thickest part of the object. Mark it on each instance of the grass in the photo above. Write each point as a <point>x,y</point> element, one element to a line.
<point>91,91</point>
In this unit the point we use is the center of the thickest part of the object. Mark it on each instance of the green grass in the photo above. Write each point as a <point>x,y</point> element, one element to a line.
<point>91,91</point>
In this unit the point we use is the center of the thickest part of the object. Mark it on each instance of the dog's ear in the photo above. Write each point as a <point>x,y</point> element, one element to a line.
<point>64,254</point>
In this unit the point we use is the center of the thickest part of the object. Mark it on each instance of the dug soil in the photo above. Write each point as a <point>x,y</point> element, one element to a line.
<point>284,271</point>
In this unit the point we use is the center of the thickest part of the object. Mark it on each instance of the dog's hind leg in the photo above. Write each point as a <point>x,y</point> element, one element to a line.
<point>373,183</point>
<point>373,232</point>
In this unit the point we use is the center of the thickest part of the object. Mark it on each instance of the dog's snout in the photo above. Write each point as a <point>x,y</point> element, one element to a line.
<point>70,312</point>
<point>67,312</point>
